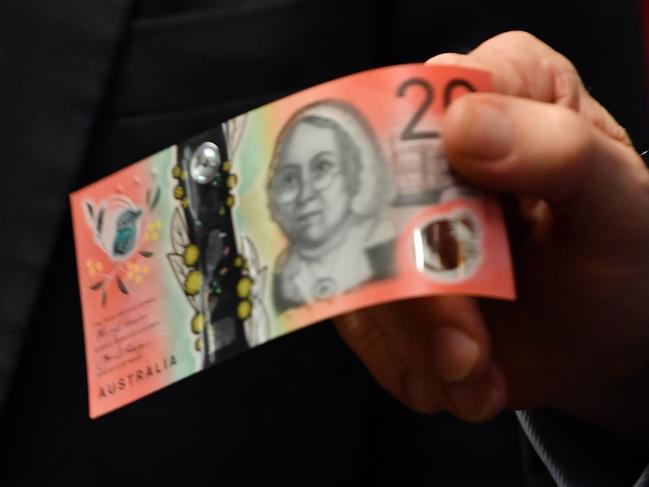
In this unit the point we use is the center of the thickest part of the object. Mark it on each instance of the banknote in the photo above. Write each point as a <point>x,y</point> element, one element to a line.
<point>333,199</point>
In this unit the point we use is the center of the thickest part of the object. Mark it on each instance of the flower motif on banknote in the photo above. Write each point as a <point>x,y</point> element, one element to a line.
<point>329,192</point>
<point>257,325</point>
<point>136,272</point>
<point>219,282</point>
<point>117,225</point>
<point>94,267</point>
<point>184,261</point>
<point>152,232</point>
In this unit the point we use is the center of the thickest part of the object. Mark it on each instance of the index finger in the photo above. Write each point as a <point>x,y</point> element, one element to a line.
<point>523,66</point>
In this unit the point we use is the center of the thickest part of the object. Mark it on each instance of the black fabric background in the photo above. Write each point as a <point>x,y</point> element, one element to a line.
<point>299,410</point>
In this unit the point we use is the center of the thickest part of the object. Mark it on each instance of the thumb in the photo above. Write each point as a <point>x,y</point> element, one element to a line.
<point>542,150</point>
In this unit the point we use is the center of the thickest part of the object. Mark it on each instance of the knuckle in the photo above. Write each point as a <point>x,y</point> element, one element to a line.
<point>600,118</point>
<point>416,356</point>
<point>450,58</point>
<point>564,84</point>
<point>359,331</point>
<point>516,37</point>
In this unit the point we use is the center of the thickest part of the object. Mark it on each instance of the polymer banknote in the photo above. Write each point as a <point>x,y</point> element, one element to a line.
<point>333,199</point>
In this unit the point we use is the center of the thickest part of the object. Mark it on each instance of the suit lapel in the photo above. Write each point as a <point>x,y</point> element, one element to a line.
<point>55,62</point>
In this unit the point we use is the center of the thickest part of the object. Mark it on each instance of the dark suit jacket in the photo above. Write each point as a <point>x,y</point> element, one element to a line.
<point>89,87</point>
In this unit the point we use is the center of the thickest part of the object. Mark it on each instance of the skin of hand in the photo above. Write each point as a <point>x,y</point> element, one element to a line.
<point>577,198</point>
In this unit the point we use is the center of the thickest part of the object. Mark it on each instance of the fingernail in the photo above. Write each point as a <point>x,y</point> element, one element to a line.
<point>422,392</point>
<point>475,402</point>
<point>455,354</point>
<point>486,131</point>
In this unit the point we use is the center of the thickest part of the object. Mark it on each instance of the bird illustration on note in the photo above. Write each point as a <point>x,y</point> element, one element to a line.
<point>116,225</point>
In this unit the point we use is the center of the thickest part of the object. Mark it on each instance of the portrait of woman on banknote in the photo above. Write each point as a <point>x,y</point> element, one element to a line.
<point>329,192</point>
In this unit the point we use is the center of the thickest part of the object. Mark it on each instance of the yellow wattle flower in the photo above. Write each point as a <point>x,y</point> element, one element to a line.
<point>193,283</point>
<point>198,323</point>
<point>231,182</point>
<point>190,255</point>
<point>244,286</point>
<point>179,192</point>
<point>243,309</point>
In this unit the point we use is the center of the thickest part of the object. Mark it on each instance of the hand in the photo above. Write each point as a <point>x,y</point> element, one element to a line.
<point>577,338</point>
